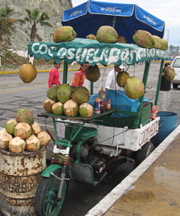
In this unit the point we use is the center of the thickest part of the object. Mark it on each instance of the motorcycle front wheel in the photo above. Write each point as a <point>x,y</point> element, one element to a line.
<point>46,201</point>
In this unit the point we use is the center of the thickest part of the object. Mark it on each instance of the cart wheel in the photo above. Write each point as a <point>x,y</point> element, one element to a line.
<point>46,203</point>
<point>143,153</point>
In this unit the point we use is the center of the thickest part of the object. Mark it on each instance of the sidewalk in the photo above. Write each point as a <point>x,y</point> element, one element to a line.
<point>152,189</point>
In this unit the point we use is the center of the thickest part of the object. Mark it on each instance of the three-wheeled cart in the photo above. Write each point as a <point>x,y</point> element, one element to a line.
<point>91,146</point>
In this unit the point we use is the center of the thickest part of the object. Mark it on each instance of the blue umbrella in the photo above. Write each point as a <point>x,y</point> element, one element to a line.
<point>86,19</point>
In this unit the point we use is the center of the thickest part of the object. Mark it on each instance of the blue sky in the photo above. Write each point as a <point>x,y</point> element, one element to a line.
<point>168,11</point>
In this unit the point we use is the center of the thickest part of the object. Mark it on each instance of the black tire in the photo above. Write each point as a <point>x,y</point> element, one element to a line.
<point>175,85</point>
<point>143,153</point>
<point>46,203</point>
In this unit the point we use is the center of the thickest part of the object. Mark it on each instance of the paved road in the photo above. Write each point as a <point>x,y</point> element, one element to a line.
<point>14,94</point>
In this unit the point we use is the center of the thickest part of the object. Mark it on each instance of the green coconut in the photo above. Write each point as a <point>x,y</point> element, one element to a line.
<point>86,110</point>
<point>57,108</point>
<point>93,73</point>
<point>71,108</point>
<point>134,88</point>
<point>64,92</point>
<point>121,78</point>
<point>47,105</point>
<point>143,39</point>
<point>24,115</point>
<point>27,73</point>
<point>164,44</point>
<point>23,130</point>
<point>157,43</point>
<point>81,95</point>
<point>73,88</point>
<point>63,34</point>
<point>107,34</point>
<point>10,125</point>
<point>169,74</point>
<point>52,93</point>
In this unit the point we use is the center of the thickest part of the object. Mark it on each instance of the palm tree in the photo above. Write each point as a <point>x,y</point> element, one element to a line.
<point>34,17</point>
<point>5,25</point>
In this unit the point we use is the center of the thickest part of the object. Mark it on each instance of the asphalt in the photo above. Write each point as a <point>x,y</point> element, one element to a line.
<point>152,189</point>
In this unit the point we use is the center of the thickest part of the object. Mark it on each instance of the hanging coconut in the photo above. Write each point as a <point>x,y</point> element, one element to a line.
<point>93,73</point>
<point>134,88</point>
<point>25,115</point>
<point>169,74</point>
<point>17,145</point>
<point>121,78</point>
<point>27,73</point>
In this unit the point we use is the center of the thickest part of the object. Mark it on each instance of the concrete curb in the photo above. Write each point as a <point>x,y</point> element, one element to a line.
<point>100,208</point>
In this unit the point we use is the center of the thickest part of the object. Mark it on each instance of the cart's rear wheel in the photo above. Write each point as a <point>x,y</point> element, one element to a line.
<point>143,153</point>
<point>46,201</point>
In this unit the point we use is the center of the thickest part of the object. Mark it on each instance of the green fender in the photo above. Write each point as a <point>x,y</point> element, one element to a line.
<point>49,169</point>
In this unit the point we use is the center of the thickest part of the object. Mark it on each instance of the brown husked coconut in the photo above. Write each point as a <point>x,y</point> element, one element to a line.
<point>27,73</point>
<point>91,36</point>
<point>71,108</point>
<point>35,128</point>
<point>44,138</point>
<point>23,130</point>
<point>4,140</point>
<point>17,145</point>
<point>10,126</point>
<point>3,130</point>
<point>47,105</point>
<point>32,143</point>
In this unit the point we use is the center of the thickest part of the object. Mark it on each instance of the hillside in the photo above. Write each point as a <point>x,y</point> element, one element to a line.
<point>20,38</point>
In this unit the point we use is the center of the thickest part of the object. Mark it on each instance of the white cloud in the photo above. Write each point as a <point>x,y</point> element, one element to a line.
<point>165,10</point>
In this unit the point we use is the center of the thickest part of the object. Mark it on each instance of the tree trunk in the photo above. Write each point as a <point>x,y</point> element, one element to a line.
<point>33,32</point>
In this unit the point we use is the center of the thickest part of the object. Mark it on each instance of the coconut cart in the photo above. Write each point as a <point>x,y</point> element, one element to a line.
<point>93,145</point>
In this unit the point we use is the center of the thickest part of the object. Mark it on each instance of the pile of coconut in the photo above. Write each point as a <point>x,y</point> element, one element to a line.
<point>23,133</point>
<point>68,100</point>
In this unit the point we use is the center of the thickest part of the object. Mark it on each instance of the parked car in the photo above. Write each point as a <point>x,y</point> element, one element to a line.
<point>176,65</point>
